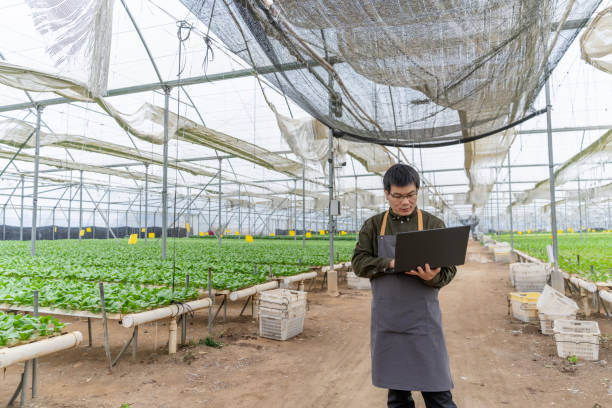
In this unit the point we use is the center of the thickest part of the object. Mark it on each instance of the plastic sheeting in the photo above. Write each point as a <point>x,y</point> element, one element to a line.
<point>147,122</point>
<point>15,133</point>
<point>483,158</point>
<point>596,42</point>
<point>308,138</point>
<point>39,81</point>
<point>78,36</point>
<point>601,194</point>
<point>592,157</point>
<point>70,165</point>
<point>402,72</point>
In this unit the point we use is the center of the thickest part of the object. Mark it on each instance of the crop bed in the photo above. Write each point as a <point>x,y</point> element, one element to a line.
<point>66,272</point>
<point>595,249</point>
<point>16,329</point>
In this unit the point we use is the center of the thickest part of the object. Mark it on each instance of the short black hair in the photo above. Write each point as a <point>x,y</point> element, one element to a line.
<point>401,175</point>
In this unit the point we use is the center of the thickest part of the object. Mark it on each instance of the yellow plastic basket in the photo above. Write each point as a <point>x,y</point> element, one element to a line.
<point>524,306</point>
<point>525,297</point>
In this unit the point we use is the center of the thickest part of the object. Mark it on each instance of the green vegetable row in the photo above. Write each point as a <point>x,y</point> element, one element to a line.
<point>233,265</point>
<point>78,295</point>
<point>16,328</point>
<point>576,254</point>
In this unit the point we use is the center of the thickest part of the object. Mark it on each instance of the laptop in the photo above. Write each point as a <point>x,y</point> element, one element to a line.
<point>437,247</point>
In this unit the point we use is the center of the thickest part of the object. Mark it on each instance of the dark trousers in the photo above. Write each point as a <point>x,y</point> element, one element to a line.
<point>403,399</point>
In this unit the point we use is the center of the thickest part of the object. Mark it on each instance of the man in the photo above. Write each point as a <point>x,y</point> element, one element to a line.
<point>407,342</point>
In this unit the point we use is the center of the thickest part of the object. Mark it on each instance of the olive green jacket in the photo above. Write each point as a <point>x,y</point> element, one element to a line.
<point>366,262</point>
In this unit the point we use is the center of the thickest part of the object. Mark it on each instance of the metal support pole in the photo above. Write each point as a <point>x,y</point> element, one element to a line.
<point>580,207</point>
<point>69,204</point>
<point>146,209</point>
<point>332,281</point>
<point>220,226</point>
<point>21,216</point>
<point>24,383</point>
<point>35,192</point>
<point>295,210</point>
<point>535,217</point>
<point>303,205</point>
<point>4,222</point>
<point>356,218</point>
<point>510,201</point>
<point>188,213</point>
<point>184,316</point>
<point>239,214</point>
<point>139,212</point>
<point>165,175</point>
<point>108,202</point>
<point>557,280</point>
<point>35,361</point>
<point>80,205</point>
<point>210,296</point>
<point>105,326</point>
<point>497,201</point>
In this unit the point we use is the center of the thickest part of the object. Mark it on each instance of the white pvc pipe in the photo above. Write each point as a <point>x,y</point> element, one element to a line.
<point>605,295</point>
<point>239,294</point>
<point>336,266</point>
<point>589,286</point>
<point>25,352</point>
<point>300,277</point>
<point>136,319</point>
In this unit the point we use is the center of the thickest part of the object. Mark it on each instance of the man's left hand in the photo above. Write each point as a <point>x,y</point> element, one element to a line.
<point>426,274</point>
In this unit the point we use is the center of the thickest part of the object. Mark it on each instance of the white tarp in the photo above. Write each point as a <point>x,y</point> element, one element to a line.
<point>596,42</point>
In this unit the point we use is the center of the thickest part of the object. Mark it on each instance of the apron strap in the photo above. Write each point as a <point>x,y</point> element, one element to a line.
<point>420,219</point>
<point>384,224</point>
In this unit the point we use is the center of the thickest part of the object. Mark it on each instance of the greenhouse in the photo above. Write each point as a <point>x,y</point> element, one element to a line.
<point>188,189</point>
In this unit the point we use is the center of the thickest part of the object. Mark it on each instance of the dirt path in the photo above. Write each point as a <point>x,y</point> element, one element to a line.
<point>495,362</point>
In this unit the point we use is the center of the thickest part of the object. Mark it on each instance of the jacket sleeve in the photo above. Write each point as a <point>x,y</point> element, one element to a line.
<point>447,273</point>
<point>365,262</point>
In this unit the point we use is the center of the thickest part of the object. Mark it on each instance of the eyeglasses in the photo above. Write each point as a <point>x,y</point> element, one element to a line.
<point>410,196</point>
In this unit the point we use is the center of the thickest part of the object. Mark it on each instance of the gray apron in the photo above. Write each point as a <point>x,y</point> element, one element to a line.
<point>407,342</point>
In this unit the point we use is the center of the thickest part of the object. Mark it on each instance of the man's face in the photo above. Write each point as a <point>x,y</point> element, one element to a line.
<point>402,200</point>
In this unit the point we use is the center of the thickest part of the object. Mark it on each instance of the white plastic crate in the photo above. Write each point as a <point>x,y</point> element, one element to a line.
<point>524,306</point>
<point>577,338</point>
<point>547,321</point>
<point>553,305</point>
<point>355,282</point>
<point>502,253</point>
<point>281,313</point>
<point>280,328</point>
<point>528,276</point>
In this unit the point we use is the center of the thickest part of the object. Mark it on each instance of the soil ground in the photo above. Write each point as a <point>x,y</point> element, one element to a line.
<point>495,361</point>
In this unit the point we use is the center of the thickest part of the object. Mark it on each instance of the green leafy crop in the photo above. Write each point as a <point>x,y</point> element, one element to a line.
<point>16,328</point>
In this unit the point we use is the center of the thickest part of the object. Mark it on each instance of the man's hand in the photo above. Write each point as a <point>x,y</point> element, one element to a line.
<point>392,264</point>
<point>427,274</point>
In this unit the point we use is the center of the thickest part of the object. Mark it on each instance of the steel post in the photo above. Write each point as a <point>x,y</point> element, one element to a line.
<point>21,215</point>
<point>220,226</point>
<point>510,201</point>
<point>165,175</point>
<point>303,204</point>
<point>557,280</point>
<point>35,190</point>
<point>108,211</point>
<point>80,205</point>
<point>146,209</point>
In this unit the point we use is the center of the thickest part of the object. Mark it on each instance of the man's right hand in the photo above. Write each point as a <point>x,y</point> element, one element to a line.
<point>392,264</point>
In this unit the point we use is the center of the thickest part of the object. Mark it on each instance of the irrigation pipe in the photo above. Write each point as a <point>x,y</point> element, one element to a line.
<point>25,352</point>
